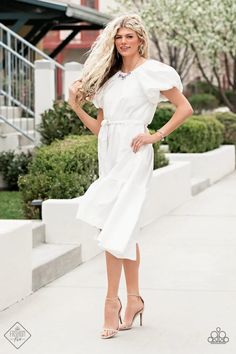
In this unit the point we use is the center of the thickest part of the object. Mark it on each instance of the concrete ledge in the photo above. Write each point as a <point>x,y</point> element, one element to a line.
<point>52,261</point>
<point>212,165</point>
<point>62,227</point>
<point>169,188</point>
<point>15,261</point>
<point>199,184</point>
<point>38,233</point>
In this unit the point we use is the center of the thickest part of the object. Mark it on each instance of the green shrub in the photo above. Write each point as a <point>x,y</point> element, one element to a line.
<point>61,121</point>
<point>160,159</point>
<point>196,134</point>
<point>215,131</point>
<point>231,95</point>
<point>62,170</point>
<point>228,119</point>
<point>198,87</point>
<point>65,169</point>
<point>13,165</point>
<point>90,109</point>
<point>163,113</point>
<point>203,101</point>
<point>191,136</point>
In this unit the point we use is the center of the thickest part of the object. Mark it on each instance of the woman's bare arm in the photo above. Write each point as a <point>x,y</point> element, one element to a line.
<point>91,123</point>
<point>183,110</point>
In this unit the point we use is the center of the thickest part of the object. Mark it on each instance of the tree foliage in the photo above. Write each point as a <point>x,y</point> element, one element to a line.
<point>204,28</point>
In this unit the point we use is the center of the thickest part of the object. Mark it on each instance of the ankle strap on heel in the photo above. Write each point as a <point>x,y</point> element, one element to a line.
<point>113,298</point>
<point>137,296</point>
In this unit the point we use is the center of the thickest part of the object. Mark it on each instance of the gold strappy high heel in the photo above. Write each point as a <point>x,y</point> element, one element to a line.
<point>112,330</point>
<point>140,313</point>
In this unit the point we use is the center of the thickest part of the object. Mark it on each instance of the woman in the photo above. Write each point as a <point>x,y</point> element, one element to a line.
<point>126,86</point>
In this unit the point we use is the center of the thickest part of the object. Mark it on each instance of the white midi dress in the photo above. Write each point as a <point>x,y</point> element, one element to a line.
<point>113,203</point>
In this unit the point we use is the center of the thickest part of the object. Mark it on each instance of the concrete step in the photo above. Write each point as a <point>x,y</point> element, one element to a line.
<point>23,140</point>
<point>2,100</point>
<point>25,149</point>
<point>9,141</point>
<point>10,112</point>
<point>199,184</point>
<point>23,123</point>
<point>51,261</point>
<point>15,140</point>
<point>38,233</point>
<point>30,133</point>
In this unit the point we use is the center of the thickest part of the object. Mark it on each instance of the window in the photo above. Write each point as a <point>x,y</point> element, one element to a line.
<point>90,3</point>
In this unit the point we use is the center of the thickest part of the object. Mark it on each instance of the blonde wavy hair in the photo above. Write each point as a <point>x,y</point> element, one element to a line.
<point>104,60</point>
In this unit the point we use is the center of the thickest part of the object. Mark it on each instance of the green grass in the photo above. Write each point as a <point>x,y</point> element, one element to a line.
<point>11,205</point>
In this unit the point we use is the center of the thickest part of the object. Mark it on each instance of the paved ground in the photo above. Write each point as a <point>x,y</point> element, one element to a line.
<point>188,282</point>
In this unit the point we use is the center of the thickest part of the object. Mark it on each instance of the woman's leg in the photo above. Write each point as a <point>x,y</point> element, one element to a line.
<point>131,269</point>
<point>114,267</point>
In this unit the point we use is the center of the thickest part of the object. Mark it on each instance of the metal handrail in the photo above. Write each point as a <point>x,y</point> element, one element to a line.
<point>28,44</point>
<point>16,128</point>
<point>18,103</point>
<point>17,74</point>
<point>16,54</point>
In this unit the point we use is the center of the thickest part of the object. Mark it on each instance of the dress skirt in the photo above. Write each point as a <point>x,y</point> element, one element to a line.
<point>113,203</point>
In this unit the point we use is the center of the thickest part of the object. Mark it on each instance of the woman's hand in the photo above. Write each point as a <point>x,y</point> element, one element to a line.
<point>144,138</point>
<point>73,92</point>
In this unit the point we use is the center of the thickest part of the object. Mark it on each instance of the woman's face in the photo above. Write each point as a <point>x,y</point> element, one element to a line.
<point>127,42</point>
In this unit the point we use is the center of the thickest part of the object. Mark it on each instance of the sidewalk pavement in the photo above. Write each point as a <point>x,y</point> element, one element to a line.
<point>187,280</point>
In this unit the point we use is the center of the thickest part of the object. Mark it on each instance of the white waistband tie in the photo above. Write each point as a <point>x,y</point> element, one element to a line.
<point>124,121</point>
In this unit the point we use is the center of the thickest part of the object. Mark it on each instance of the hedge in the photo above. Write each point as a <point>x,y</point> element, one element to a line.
<point>203,101</point>
<point>215,131</point>
<point>65,169</point>
<point>12,165</point>
<point>163,113</point>
<point>160,159</point>
<point>228,119</point>
<point>61,121</point>
<point>196,134</point>
<point>199,87</point>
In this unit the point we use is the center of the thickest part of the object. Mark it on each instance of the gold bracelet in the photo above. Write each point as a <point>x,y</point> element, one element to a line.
<point>162,135</point>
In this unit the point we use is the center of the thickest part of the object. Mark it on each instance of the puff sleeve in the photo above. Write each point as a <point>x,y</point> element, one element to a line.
<point>157,77</point>
<point>98,98</point>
